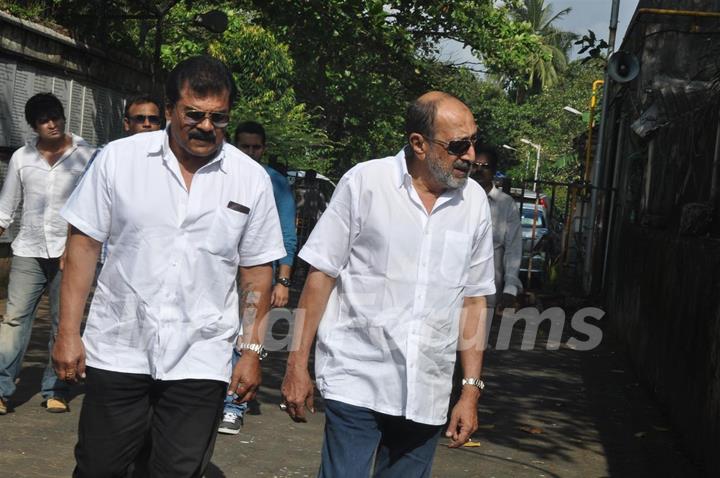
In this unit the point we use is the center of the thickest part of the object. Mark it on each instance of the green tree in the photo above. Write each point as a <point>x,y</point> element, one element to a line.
<point>360,61</point>
<point>331,78</point>
<point>264,73</point>
<point>545,69</point>
<point>544,121</point>
<point>540,119</point>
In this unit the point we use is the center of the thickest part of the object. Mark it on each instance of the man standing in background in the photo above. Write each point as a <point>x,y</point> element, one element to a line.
<point>507,232</point>
<point>142,115</point>
<point>250,138</point>
<point>42,173</point>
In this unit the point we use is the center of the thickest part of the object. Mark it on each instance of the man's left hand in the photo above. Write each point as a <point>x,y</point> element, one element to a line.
<point>279,297</point>
<point>246,377</point>
<point>463,420</point>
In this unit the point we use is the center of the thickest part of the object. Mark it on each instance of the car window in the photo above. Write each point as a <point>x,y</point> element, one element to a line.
<point>528,214</point>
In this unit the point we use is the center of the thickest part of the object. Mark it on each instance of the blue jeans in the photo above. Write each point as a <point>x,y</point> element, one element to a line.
<point>29,276</point>
<point>356,435</point>
<point>238,409</point>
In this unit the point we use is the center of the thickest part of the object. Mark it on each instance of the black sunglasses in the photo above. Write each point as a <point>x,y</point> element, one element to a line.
<point>153,119</point>
<point>456,147</point>
<point>218,119</point>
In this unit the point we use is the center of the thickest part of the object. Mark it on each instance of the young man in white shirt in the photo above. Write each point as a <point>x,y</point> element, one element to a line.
<point>42,173</point>
<point>507,232</point>
<point>402,253</point>
<point>180,211</point>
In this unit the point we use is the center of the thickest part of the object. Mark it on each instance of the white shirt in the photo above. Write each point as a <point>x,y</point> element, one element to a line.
<point>507,241</point>
<point>43,189</point>
<point>166,302</point>
<point>388,337</point>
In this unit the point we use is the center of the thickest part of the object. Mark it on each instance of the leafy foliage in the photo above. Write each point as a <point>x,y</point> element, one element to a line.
<point>330,79</point>
<point>361,61</point>
<point>262,65</point>
<point>543,121</point>
<point>264,72</point>
<point>545,68</point>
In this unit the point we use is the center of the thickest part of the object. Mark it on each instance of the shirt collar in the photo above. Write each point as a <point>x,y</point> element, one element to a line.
<point>404,179</point>
<point>494,193</point>
<point>76,141</point>
<point>161,146</point>
<point>403,175</point>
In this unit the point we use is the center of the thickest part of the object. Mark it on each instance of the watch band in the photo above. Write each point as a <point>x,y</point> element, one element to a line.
<point>257,348</point>
<point>475,382</point>
<point>284,281</point>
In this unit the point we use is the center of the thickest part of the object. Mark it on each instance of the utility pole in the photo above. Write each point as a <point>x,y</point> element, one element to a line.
<point>597,173</point>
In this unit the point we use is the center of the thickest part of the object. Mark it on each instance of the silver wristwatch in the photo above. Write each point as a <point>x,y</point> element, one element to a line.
<point>257,348</point>
<point>475,382</point>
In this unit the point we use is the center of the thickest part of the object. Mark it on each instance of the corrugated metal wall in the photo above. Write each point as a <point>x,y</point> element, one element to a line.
<point>94,112</point>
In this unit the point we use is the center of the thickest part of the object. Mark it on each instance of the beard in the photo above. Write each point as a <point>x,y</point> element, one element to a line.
<point>446,177</point>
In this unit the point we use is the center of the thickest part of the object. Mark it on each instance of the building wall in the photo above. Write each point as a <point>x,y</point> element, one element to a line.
<point>663,271</point>
<point>93,111</point>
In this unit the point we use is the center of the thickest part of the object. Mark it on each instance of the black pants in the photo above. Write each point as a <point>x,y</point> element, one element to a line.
<point>121,409</point>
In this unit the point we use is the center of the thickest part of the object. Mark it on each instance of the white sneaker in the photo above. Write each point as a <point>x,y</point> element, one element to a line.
<point>231,423</point>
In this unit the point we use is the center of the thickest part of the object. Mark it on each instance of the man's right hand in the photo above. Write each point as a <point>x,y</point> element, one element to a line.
<point>297,392</point>
<point>68,357</point>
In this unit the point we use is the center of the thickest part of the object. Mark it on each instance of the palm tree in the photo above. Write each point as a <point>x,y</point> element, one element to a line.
<point>544,71</point>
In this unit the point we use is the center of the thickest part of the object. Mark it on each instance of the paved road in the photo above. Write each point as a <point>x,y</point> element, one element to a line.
<point>545,413</point>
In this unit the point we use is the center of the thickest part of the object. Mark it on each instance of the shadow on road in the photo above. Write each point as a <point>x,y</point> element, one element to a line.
<point>565,406</point>
<point>558,413</point>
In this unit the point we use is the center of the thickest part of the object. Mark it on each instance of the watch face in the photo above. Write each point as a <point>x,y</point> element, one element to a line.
<point>284,281</point>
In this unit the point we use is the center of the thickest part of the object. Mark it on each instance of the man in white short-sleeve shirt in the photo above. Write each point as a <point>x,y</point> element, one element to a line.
<point>402,254</point>
<point>180,211</point>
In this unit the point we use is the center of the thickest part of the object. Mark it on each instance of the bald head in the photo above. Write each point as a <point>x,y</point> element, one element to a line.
<point>422,113</point>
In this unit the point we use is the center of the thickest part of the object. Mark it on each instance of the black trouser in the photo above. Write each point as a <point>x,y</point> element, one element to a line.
<point>120,409</point>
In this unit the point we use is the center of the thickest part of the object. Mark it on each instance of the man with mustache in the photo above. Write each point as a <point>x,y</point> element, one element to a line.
<point>180,210</point>
<point>42,174</point>
<point>401,260</point>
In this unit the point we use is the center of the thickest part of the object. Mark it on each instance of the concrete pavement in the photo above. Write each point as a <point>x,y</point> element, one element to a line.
<point>543,414</point>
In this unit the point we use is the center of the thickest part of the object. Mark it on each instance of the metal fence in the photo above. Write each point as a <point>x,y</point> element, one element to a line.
<point>556,224</point>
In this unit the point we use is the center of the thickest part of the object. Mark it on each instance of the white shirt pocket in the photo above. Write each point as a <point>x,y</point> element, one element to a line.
<point>226,231</point>
<point>455,257</point>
